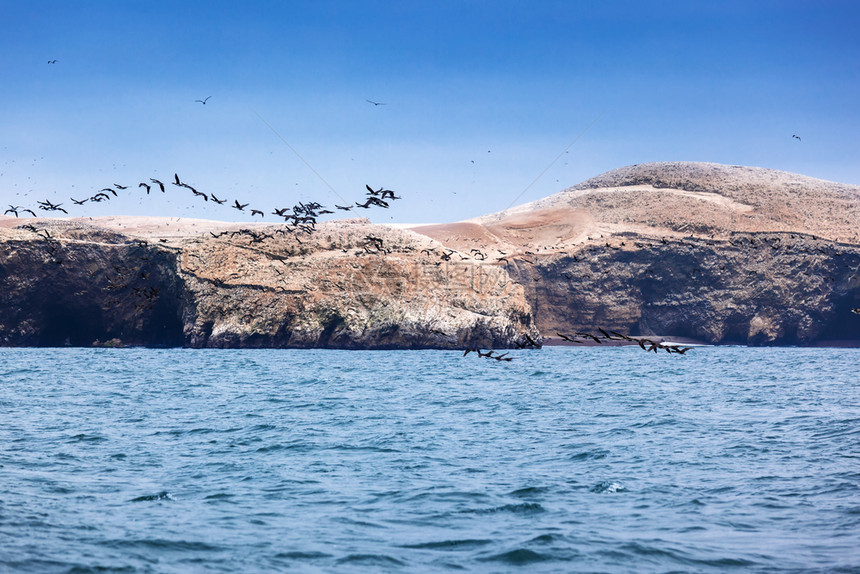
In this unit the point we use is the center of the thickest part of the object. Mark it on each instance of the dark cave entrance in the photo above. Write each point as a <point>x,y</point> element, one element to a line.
<point>67,326</point>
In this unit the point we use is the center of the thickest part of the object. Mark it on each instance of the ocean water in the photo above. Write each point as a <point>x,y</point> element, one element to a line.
<point>563,460</point>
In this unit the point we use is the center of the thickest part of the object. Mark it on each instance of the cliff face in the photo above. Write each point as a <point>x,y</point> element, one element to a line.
<point>773,288</point>
<point>72,285</point>
<point>346,286</point>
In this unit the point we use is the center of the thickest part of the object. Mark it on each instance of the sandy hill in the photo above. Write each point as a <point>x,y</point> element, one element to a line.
<point>667,199</point>
<point>712,252</point>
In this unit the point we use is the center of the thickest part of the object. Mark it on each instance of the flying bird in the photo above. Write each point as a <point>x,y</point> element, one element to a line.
<point>52,61</point>
<point>161,185</point>
<point>796,137</point>
<point>79,202</point>
<point>375,103</point>
<point>256,212</point>
<point>48,206</point>
<point>146,185</point>
<point>118,186</point>
<point>239,206</point>
<point>216,200</point>
<point>200,193</point>
<point>203,101</point>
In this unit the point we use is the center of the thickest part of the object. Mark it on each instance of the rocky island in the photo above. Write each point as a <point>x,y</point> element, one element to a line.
<point>706,252</point>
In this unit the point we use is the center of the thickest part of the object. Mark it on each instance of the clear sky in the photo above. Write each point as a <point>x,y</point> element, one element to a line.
<point>479,98</point>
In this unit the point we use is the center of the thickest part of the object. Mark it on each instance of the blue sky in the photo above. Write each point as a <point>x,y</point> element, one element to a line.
<point>480,98</point>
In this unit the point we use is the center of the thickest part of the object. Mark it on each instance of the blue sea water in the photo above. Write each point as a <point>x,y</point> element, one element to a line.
<point>563,460</point>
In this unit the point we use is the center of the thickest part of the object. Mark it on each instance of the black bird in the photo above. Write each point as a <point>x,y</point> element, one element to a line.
<point>239,206</point>
<point>113,191</point>
<point>81,202</point>
<point>13,209</point>
<point>161,185</point>
<point>216,200</point>
<point>280,212</point>
<point>590,336</point>
<point>52,61</point>
<point>200,193</point>
<point>796,137</point>
<point>118,186</point>
<point>371,101</point>
<point>344,208</point>
<point>256,212</point>
<point>203,101</point>
<point>176,179</point>
<point>372,200</point>
<point>101,196</point>
<point>146,185</point>
<point>48,206</point>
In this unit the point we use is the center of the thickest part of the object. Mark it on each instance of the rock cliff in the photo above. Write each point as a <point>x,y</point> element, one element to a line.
<point>720,254</point>
<point>347,285</point>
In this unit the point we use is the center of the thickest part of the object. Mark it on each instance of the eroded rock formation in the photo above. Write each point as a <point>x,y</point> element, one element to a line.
<point>348,285</point>
<point>720,254</point>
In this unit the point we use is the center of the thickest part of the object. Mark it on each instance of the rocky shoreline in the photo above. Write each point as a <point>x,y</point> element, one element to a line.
<point>698,252</point>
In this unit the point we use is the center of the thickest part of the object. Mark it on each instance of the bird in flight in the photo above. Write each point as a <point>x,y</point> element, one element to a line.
<point>216,200</point>
<point>203,101</point>
<point>375,103</point>
<point>797,137</point>
<point>48,206</point>
<point>239,206</point>
<point>256,212</point>
<point>161,185</point>
<point>52,61</point>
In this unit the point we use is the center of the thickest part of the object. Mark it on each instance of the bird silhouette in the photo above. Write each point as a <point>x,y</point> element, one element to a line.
<point>203,101</point>
<point>160,185</point>
<point>48,206</point>
<point>256,212</point>
<point>79,202</point>
<point>216,200</point>
<point>375,103</point>
<point>239,206</point>
<point>796,137</point>
<point>200,193</point>
<point>146,185</point>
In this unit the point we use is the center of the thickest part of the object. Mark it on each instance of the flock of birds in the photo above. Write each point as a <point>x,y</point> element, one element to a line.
<point>302,216</point>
